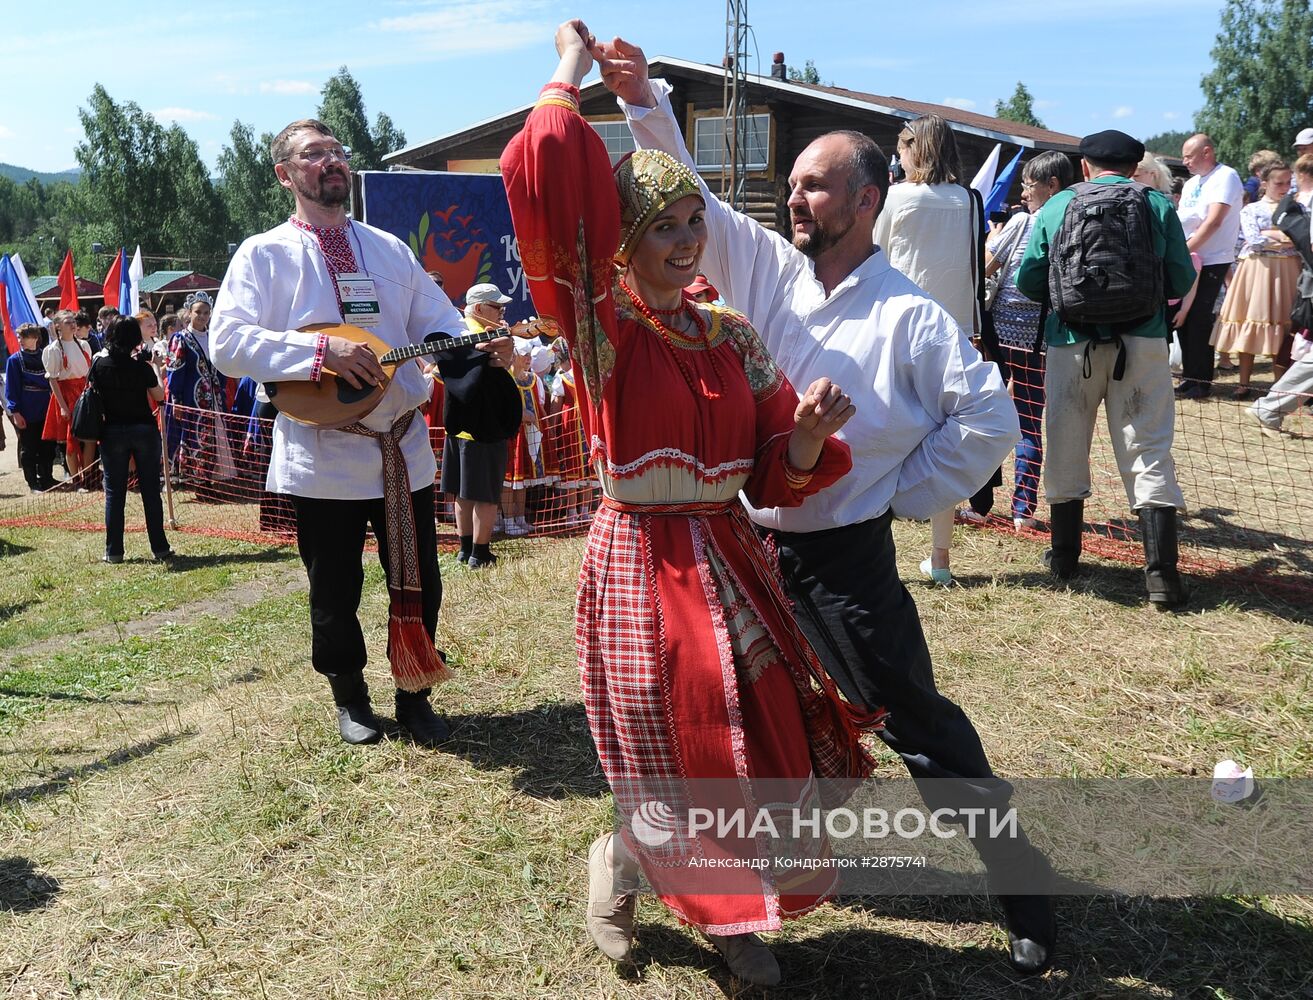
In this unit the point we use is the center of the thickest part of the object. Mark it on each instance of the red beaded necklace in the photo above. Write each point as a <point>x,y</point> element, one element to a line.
<point>673,338</point>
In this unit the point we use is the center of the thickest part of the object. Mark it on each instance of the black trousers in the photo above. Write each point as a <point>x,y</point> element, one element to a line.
<point>330,535</point>
<point>1196,351</point>
<point>864,626</point>
<point>37,457</point>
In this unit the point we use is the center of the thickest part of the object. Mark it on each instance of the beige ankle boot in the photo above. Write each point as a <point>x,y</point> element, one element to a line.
<point>612,899</point>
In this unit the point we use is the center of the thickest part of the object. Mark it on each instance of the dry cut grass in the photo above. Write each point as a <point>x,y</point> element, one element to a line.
<point>200,832</point>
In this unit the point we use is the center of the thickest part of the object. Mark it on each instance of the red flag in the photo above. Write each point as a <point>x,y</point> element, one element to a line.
<point>112,282</point>
<point>68,286</point>
<point>11,342</point>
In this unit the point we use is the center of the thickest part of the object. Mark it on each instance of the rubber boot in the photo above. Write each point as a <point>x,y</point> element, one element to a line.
<point>356,721</point>
<point>1158,530</point>
<point>1065,523</point>
<point>416,716</point>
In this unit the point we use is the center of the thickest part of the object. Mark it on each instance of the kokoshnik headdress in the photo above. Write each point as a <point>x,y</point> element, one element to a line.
<point>648,181</point>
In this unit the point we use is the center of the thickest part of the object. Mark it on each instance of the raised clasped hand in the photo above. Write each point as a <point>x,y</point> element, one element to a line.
<point>624,71</point>
<point>574,38</point>
<point>823,409</point>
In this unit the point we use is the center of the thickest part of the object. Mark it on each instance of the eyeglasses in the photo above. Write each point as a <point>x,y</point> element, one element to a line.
<point>316,156</point>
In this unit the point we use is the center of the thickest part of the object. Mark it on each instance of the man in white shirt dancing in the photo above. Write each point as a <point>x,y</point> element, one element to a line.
<point>932,423</point>
<point>319,267</point>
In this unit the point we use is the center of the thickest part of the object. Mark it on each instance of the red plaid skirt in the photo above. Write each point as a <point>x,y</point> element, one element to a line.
<point>693,668</point>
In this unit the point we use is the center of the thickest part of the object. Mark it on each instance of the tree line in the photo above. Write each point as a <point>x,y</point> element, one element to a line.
<point>144,183</point>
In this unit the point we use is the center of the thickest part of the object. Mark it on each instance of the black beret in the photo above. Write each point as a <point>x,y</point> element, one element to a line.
<point>1111,146</point>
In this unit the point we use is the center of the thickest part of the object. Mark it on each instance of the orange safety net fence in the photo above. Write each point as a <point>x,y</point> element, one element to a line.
<point>1250,497</point>
<point>217,464</point>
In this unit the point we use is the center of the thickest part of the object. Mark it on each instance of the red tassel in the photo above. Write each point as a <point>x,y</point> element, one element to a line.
<point>416,665</point>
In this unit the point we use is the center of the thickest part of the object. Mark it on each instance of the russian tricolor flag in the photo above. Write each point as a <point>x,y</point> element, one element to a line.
<point>118,283</point>
<point>17,304</point>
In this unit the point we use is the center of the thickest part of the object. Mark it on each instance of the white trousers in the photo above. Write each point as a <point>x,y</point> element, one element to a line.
<point>1141,414</point>
<point>1292,389</point>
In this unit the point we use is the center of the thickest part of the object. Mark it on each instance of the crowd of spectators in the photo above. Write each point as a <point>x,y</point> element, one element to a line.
<point>1253,261</point>
<point>214,433</point>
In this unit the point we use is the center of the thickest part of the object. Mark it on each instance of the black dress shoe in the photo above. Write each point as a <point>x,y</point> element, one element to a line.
<point>1032,932</point>
<point>416,716</point>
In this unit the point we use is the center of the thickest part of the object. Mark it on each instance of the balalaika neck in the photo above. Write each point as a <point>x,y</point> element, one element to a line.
<point>429,347</point>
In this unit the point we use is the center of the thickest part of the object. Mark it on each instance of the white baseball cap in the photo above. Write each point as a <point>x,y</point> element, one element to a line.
<point>486,294</point>
<point>540,361</point>
<point>1305,137</point>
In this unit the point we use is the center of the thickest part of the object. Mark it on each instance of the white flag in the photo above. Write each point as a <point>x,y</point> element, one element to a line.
<point>984,182</point>
<point>135,274</point>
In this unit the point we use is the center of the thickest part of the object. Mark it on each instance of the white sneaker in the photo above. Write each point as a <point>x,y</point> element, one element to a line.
<point>515,528</point>
<point>940,576</point>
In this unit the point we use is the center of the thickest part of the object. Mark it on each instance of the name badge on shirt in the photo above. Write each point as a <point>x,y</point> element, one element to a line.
<point>359,299</point>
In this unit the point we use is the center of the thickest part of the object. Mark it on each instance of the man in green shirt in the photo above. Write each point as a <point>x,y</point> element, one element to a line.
<point>1121,365</point>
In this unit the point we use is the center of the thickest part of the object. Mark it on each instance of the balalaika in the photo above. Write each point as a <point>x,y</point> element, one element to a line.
<point>334,402</point>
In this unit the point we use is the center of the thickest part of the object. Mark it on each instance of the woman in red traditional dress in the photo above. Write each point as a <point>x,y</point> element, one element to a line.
<point>568,439</point>
<point>67,361</point>
<point>531,459</point>
<point>692,666</point>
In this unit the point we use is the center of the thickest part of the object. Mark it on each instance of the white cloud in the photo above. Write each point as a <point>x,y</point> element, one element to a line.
<point>1171,116</point>
<point>6,133</point>
<point>1123,112</point>
<point>1043,105</point>
<point>287,88</point>
<point>182,115</point>
<point>965,103</point>
<point>464,27</point>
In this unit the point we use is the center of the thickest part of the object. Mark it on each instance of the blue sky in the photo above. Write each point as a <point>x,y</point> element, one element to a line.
<point>437,65</point>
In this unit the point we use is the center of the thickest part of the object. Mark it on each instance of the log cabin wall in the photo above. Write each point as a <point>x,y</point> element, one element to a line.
<point>796,120</point>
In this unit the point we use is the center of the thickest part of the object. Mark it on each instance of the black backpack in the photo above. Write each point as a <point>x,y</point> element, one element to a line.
<point>1102,265</point>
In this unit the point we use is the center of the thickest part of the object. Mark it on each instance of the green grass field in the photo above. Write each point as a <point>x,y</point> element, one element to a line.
<point>179,819</point>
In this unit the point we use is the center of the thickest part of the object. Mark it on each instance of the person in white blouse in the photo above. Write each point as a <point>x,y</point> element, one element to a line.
<point>933,420</point>
<point>1210,216</point>
<point>67,361</point>
<point>279,282</point>
<point>931,231</point>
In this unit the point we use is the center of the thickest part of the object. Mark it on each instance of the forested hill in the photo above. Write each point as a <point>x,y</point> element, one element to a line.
<point>20,174</point>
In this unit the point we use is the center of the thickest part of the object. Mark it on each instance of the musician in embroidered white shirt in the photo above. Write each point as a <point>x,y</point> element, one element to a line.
<point>340,482</point>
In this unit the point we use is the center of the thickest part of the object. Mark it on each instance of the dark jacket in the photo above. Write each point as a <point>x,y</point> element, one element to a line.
<point>26,389</point>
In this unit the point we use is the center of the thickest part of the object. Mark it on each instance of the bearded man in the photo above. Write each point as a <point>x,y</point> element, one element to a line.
<point>321,267</point>
<point>933,422</point>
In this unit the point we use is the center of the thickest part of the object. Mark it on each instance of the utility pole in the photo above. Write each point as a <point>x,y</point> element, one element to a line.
<point>733,177</point>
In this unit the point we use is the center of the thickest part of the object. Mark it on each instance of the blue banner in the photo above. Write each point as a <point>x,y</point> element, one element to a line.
<point>456,224</point>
